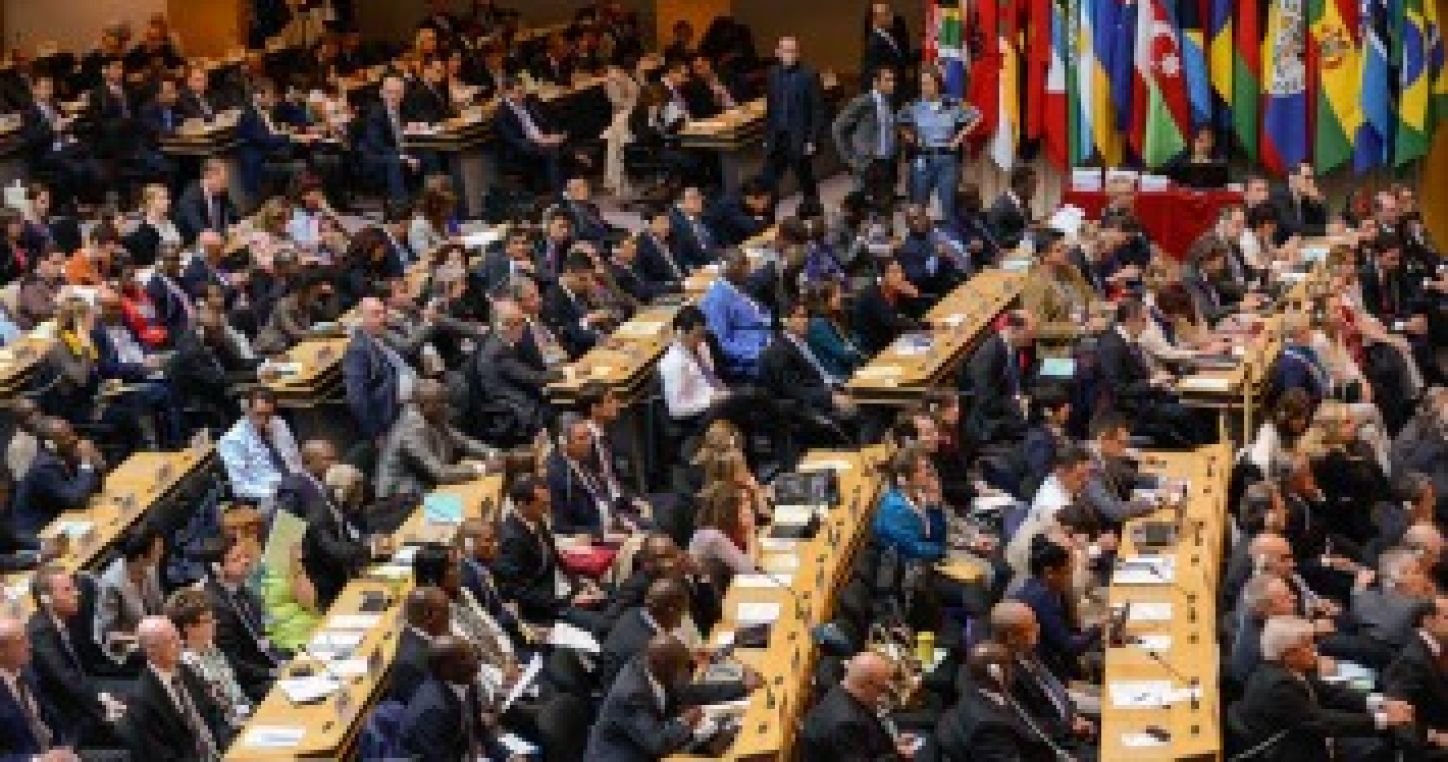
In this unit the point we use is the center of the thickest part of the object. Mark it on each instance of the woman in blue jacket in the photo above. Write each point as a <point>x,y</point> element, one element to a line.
<point>911,518</point>
<point>829,334</point>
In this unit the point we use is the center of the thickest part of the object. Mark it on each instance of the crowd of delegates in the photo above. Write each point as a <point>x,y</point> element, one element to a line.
<point>163,320</point>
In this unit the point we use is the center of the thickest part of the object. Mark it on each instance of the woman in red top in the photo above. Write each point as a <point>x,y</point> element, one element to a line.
<point>136,307</point>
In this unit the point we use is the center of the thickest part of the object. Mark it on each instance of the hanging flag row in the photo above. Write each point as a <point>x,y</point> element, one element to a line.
<point>1340,83</point>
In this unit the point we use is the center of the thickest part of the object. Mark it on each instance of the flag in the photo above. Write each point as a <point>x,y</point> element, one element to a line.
<point>985,69</point>
<point>1284,110</point>
<point>1194,61</point>
<point>1037,49</point>
<point>1220,58</point>
<point>947,45</point>
<point>1110,140</point>
<point>1411,43</point>
<point>1087,62</point>
<point>1247,75</point>
<point>1122,69</point>
<point>1437,65</point>
<point>1336,32</point>
<point>1159,104</point>
<point>1056,109</point>
<point>1008,111</point>
<point>1374,89</point>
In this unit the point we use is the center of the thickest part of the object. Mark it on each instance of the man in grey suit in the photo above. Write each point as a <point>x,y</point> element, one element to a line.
<point>1387,613</point>
<point>865,136</point>
<point>128,591</point>
<point>423,450</point>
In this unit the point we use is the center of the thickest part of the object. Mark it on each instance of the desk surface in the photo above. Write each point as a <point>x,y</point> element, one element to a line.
<point>623,359</point>
<point>19,360</point>
<point>1194,731</point>
<point>331,725</point>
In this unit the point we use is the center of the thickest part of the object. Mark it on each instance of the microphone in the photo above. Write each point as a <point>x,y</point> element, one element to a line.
<point>801,608</point>
<point>1193,683</point>
<point>1191,597</point>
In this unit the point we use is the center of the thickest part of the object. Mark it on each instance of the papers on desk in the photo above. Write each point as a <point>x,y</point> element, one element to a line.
<point>1058,367</point>
<point>75,531</point>
<point>1142,740</point>
<point>820,464</point>
<point>273,736</point>
<point>1016,265</point>
<point>310,689</point>
<point>1205,384</point>
<point>403,556</point>
<point>758,581</point>
<point>1153,642</point>
<point>793,515</point>
<point>879,372</point>
<point>344,668</point>
<point>640,329</point>
<point>390,572</point>
<point>330,645</point>
<point>1147,694</point>
<point>991,503</point>
<point>282,368</point>
<point>1144,570</point>
<point>756,612</point>
<point>1068,220</point>
<point>1149,611</point>
<point>1314,253</point>
<point>778,544</point>
<point>726,708</point>
<point>443,508</point>
<point>517,746</point>
<point>361,622</point>
<point>480,239</point>
<point>565,635</point>
<point>780,564</point>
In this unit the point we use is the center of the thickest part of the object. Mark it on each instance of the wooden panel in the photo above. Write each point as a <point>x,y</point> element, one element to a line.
<point>696,12</point>
<point>1433,181</point>
<point>208,29</point>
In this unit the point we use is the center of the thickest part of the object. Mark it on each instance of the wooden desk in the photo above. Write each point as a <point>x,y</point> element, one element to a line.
<point>20,361</point>
<point>818,567</point>
<point>318,379</point>
<point>623,362</point>
<point>131,490</point>
<point>905,370</point>
<point>736,138</point>
<point>1195,732</point>
<point>332,724</point>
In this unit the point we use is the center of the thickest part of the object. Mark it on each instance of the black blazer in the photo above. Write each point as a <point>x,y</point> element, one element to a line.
<point>484,587</point>
<point>1417,678</point>
<point>371,386</point>
<point>839,727</point>
<point>1007,220</point>
<point>876,322</point>
<point>881,52</point>
<point>158,729</point>
<point>432,726</point>
<point>193,106</point>
<point>409,666</point>
<point>115,118</point>
<point>509,128</point>
<point>240,634</point>
<point>564,315</point>
<point>333,552</point>
<point>191,216</point>
<point>525,571</point>
<point>62,678</point>
<point>510,379</point>
<point>787,374</point>
<point>1123,371</point>
<point>982,727</point>
<point>1309,711</point>
<point>795,109</point>
<point>16,738</point>
<point>694,249</point>
<point>1389,295</point>
<point>1308,218</point>
<point>630,725</point>
<point>424,103</point>
<point>993,413</point>
<point>653,262</point>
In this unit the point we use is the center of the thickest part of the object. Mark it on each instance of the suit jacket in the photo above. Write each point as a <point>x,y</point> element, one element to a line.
<point>563,313</point>
<point>18,742</point>
<point>432,726</point>
<point>424,103</point>
<point>50,487</point>
<point>526,568</point>
<point>241,635</point>
<point>856,129</point>
<point>631,726</point>
<point>158,121</point>
<point>371,385</point>
<point>1123,371</point>
<point>198,274</point>
<point>115,119</point>
<point>376,138</point>
<point>333,552</point>
<point>197,106</point>
<point>409,666</point>
<point>794,109</point>
<point>1417,676</point>
<point>510,130</point>
<point>884,49</point>
<point>301,495</point>
<point>254,134</point>
<point>1007,220</point>
<point>192,216</point>
<point>121,604</point>
<point>994,377</point>
<point>876,321</point>
<point>1061,644</point>
<point>787,374</point>
<point>632,283</point>
<point>417,456</point>
<point>733,223</point>
<point>1306,218</point>
<point>659,263</point>
<point>696,244</point>
<point>1308,710</point>
<point>1207,297</point>
<point>510,379</point>
<point>588,222</point>
<point>480,581</point>
<point>839,727</point>
<point>171,307</point>
<point>1384,615</point>
<point>982,727</point>
<point>159,729</point>
<point>576,497</point>
<point>1388,295</point>
<point>703,102</point>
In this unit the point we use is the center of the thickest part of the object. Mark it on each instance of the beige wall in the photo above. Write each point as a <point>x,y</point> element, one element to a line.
<point>396,19</point>
<point>73,24</point>
<point>829,31</point>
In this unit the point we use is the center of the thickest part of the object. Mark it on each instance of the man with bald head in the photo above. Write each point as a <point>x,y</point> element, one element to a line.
<point>984,723</point>
<point>445,719</point>
<point>644,716</point>
<point>29,728</point>
<point>846,723</point>
<point>423,450</point>
<point>1038,692</point>
<point>426,616</point>
<point>172,716</point>
<point>509,375</point>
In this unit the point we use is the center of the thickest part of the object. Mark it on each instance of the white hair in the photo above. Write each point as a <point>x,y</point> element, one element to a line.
<point>1395,563</point>
<point>152,631</point>
<point>1283,632</point>
<point>1258,590</point>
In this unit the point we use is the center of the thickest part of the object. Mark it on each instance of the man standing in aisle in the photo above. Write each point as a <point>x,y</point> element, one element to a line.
<point>794,119</point>
<point>864,134</point>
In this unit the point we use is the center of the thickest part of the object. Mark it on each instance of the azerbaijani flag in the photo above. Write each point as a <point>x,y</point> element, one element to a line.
<point>1159,105</point>
<point>1220,59</point>
<point>1411,53</point>
<point>1374,89</point>
<point>1194,61</point>
<point>1247,75</point>
<point>1336,30</point>
<point>1284,114</point>
<point>1057,107</point>
<point>1008,111</point>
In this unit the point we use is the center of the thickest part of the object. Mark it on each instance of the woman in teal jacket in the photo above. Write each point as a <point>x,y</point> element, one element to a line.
<point>911,519</point>
<point>829,336</point>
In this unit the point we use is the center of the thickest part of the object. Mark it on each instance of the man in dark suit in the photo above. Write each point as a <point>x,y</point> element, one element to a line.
<point>240,627</point>
<point>81,706</point>
<point>1035,689</point>
<point>743,214</point>
<point>664,606</point>
<point>996,376</point>
<point>659,262</point>
<point>110,106</point>
<point>258,136</point>
<point>478,543</point>
<point>883,310</point>
<point>795,122</point>
<point>588,221</point>
<point>1390,293</point>
<point>1419,676</point>
<point>580,500</point>
<point>1301,210</point>
<point>334,548</point>
<point>172,717</point>
<point>426,616</point>
<point>886,46</point>
<point>444,719</point>
<point>528,135</point>
<point>196,100</point>
<point>708,92</point>
<point>174,307</point>
<point>846,724</point>
<point>372,373</point>
<point>623,268</point>
<point>161,115</point>
<point>565,310</point>
<point>639,722</point>
<point>789,370</point>
<point>1292,712</point>
<point>383,144</point>
<point>66,472</point>
<point>986,723</point>
<point>426,100</point>
<point>529,570</point>
<point>51,145</point>
<point>303,493</point>
<point>508,377</point>
<point>1140,393</point>
<point>205,205</point>
<point>1009,216</point>
<point>517,257</point>
<point>697,245</point>
<point>30,729</point>
<point>1045,591</point>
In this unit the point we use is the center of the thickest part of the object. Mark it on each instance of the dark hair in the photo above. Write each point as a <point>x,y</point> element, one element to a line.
<point>260,394</point>
<point>1046,555</point>
<point>576,261</point>
<point>590,395</point>
<point>1260,215</point>
<point>1069,454</point>
<point>1106,422</point>
<point>186,606</point>
<point>1128,309</point>
<point>138,542</point>
<point>688,318</point>
<point>524,489</point>
<point>430,564</point>
<point>754,185</point>
<point>1048,398</point>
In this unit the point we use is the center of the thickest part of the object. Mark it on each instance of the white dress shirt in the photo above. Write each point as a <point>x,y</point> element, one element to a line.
<point>687,389</point>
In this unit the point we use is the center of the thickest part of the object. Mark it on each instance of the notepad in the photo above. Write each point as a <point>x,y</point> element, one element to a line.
<point>341,668</point>
<point>1058,367</point>
<point>565,635</point>
<point>1142,740</point>
<point>354,621</point>
<point>517,746</point>
<point>443,508</point>
<point>481,239</point>
<point>75,530</point>
<point>273,736</point>
<point>1153,642</point>
<point>876,372</point>
<point>756,612</point>
<point>306,690</point>
<point>792,515</point>
<point>1138,694</point>
<point>780,564</point>
<point>1144,570</point>
<point>757,581</point>
<point>1205,384</point>
<point>778,544</point>
<point>640,329</point>
<point>1150,611</point>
